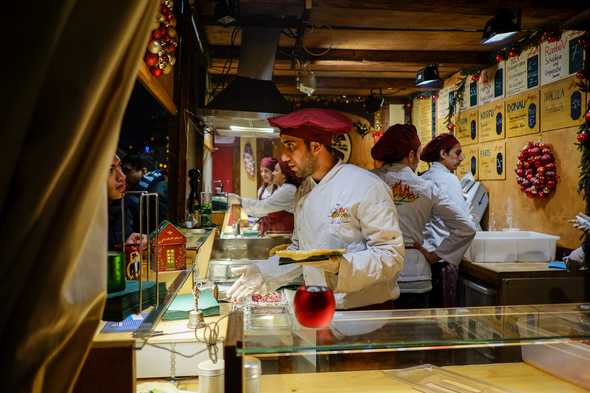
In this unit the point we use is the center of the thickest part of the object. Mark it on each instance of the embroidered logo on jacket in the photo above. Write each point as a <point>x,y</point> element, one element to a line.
<point>340,215</point>
<point>402,193</point>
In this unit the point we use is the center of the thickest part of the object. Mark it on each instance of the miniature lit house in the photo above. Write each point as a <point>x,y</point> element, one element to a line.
<point>171,248</point>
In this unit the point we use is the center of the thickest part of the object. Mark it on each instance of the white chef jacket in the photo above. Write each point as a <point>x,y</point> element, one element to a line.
<point>283,199</point>
<point>349,208</point>
<point>417,200</point>
<point>436,228</point>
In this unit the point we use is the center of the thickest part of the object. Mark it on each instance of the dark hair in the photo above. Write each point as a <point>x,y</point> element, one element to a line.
<point>336,154</point>
<point>138,162</point>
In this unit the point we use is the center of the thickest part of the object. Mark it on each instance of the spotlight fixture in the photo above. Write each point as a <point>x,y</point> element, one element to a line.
<point>428,77</point>
<point>501,28</point>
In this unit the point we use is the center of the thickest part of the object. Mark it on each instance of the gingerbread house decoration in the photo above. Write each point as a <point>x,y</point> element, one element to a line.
<point>171,248</point>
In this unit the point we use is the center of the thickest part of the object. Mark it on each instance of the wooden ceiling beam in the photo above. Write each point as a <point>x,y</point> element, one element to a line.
<point>352,83</point>
<point>370,39</point>
<point>385,56</point>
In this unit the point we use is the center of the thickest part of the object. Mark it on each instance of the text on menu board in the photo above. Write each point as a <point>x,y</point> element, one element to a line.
<point>561,105</point>
<point>466,131</point>
<point>561,58</point>
<point>470,162</point>
<point>492,161</point>
<point>522,114</point>
<point>491,122</point>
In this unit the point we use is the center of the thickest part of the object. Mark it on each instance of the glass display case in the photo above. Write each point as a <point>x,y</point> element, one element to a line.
<point>358,344</point>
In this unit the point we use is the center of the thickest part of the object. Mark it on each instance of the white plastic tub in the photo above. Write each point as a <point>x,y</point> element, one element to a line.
<point>513,246</point>
<point>567,361</point>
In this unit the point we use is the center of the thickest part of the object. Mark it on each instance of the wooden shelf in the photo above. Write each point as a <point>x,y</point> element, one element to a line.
<point>161,88</point>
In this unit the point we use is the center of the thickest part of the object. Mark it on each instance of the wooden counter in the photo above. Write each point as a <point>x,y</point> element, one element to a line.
<point>515,377</point>
<point>524,283</point>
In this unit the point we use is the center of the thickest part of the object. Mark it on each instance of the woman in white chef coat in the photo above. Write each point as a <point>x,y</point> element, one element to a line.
<point>444,155</point>
<point>417,200</point>
<point>337,206</point>
<point>267,166</point>
<point>275,211</point>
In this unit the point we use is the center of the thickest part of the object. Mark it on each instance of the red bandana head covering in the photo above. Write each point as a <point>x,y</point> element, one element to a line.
<point>268,163</point>
<point>396,143</point>
<point>431,152</point>
<point>313,124</point>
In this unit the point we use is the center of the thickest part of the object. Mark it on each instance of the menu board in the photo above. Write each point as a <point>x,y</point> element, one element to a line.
<point>491,84</point>
<point>422,118</point>
<point>522,114</point>
<point>491,122</point>
<point>466,131</point>
<point>522,72</point>
<point>470,162</point>
<point>442,103</point>
<point>492,161</point>
<point>561,58</point>
<point>562,105</point>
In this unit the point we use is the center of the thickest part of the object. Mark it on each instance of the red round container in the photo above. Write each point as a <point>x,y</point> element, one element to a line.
<point>314,306</point>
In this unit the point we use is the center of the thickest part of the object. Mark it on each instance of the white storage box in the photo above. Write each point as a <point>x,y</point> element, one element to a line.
<point>568,361</point>
<point>512,246</point>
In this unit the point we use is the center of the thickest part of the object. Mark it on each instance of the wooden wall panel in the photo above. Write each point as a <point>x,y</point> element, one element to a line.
<point>549,215</point>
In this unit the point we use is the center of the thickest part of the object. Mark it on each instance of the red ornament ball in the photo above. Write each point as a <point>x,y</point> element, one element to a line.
<point>582,137</point>
<point>580,75</point>
<point>150,59</point>
<point>499,58</point>
<point>450,126</point>
<point>513,53</point>
<point>587,116</point>
<point>156,71</point>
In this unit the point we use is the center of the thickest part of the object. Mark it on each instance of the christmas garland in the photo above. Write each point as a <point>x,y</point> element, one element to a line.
<point>536,173</point>
<point>583,137</point>
<point>159,56</point>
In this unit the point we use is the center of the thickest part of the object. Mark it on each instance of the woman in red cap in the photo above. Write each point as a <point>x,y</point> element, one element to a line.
<point>276,210</point>
<point>444,154</point>
<point>338,205</point>
<point>267,166</point>
<point>418,200</point>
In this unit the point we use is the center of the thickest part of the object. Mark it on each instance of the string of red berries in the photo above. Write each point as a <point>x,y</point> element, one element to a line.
<point>536,173</point>
<point>159,56</point>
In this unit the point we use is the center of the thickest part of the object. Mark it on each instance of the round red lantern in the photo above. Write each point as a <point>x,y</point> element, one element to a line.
<point>314,306</point>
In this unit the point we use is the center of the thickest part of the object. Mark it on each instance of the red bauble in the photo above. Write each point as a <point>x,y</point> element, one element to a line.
<point>499,58</point>
<point>150,59</point>
<point>513,53</point>
<point>546,158</point>
<point>519,172</point>
<point>450,126</point>
<point>541,170</point>
<point>580,75</point>
<point>475,77</point>
<point>582,137</point>
<point>314,306</point>
<point>157,34</point>
<point>157,72</point>
<point>550,166</point>
<point>587,116</point>
<point>552,38</point>
<point>551,184</point>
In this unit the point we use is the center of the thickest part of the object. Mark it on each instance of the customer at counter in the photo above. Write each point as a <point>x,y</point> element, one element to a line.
<point>418,200</point>
<point>337,206</point>
<point>445,155</point>
<point>267,166</point>
<point>276,211</point>
<point>115,191</point>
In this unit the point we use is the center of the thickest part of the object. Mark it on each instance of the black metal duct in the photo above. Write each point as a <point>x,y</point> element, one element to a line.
<point>253,90</point>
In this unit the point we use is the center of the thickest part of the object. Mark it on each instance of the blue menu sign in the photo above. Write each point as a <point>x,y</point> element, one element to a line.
<point>532,70</point>
<point>499,83</point>
<point>576,55</point>
<point>473,94</point>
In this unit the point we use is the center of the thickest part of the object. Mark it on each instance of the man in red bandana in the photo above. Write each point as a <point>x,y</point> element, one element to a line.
<point>337,206</point>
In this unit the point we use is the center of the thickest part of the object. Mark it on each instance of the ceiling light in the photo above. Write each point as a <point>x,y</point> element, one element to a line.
<point>266,130</point>
<point>428,77</point>
<point>501,28</point>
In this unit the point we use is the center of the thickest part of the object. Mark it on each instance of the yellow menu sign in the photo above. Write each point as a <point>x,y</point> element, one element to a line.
<point>470,162</point>
<point>466,131</point>
<point>492,161</point>
<point>491,121</point>
<point>522,114</point>
<point>562,105</point>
